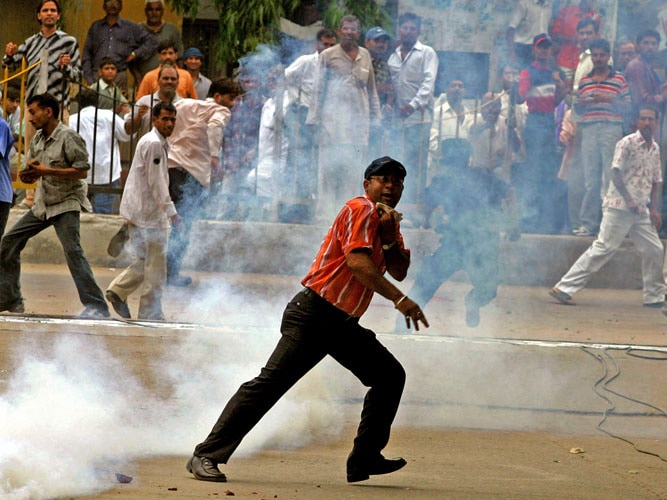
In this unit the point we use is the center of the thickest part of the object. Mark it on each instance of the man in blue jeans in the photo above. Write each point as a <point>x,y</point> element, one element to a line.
<point>58,162</point>
<point>602,101</point>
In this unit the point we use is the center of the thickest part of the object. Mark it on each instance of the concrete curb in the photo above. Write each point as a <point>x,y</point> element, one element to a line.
<point>273,248</point>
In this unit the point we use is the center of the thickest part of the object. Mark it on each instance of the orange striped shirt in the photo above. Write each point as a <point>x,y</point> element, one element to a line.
<point>355,227</point>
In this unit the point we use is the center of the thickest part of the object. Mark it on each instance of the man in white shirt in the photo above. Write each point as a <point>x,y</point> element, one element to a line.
<point>301,80</point>
<point>452,121</point>
<point>512,111</point>
<point>529,18</point>
<point>587,31</point>
<point>344,108</point>
<point>301,75</point>
<point>489,139</point>
<point>148,208</point>
<point>413,67</point>
<point>101,129</point>
<point>193,161</point>
<point>271,180</point>
<point>631,207</point>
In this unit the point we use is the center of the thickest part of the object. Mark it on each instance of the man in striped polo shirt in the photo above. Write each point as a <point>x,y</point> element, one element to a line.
<point>602,100</point>
<point>63,65</point>
<point>363,242</point>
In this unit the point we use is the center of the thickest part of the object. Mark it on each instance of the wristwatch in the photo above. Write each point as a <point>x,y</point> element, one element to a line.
<point>388,245</point>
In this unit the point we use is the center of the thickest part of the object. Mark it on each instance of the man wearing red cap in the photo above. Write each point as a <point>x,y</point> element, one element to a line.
<point>543,88</point>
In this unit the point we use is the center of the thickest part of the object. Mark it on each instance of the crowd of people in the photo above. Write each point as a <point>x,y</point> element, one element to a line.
<point>54,152</point>
<point>359,96</point>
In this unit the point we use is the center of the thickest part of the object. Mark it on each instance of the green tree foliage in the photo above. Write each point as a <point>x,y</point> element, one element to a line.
<point>370,13</point>
<point>244,24</point>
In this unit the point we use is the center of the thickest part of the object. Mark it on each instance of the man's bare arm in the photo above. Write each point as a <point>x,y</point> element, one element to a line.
<point>362,268</point>
<point>656,205</point>
<point>396,259</point>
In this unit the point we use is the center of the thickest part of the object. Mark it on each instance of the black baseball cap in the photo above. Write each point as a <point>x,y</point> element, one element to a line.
<point>541,39</point>
<point>380,165</point>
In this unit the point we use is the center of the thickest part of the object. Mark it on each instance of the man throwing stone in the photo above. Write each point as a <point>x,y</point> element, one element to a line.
<point>363,242</point>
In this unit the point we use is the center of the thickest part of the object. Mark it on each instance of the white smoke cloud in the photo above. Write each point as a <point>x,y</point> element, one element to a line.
<point>74,417</point>
<point>63,418</point>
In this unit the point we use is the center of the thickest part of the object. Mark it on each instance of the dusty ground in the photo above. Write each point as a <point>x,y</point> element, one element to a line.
<point>480,418</point>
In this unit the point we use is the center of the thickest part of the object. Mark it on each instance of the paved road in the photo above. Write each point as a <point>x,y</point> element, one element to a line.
<point>492,412</point>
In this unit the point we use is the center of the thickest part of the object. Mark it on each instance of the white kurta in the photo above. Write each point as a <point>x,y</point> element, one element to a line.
<point>146,202</point>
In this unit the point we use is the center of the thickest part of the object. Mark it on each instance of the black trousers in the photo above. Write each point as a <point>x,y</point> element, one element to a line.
<point>4,216</point>
<point>311,329</point>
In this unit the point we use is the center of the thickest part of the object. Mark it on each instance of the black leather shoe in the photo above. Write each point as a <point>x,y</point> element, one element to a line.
<point>179,280</point>
<point>205,469</point>
<point>361,472</point>
<point>119,305</point>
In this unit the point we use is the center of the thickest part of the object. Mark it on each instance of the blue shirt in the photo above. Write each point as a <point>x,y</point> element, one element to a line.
<point>6,143</point>
<point>117,41</point>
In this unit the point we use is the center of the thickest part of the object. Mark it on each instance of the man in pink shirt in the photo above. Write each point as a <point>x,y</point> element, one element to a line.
<point>194,148</point>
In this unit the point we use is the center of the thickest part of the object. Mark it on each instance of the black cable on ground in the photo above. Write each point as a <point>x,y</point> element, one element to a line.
<point>603,384</point>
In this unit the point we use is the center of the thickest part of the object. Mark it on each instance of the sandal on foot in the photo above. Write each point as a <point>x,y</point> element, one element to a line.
<point>561,297</point>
